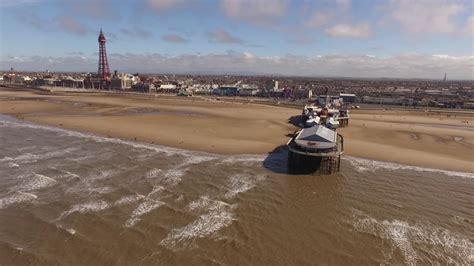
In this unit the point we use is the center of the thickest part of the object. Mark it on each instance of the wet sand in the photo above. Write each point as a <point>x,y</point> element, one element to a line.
<point>442,141</point>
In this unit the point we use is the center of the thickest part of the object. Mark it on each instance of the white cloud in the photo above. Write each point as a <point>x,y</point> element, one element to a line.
<point>334,11</point>
<point>35,21</point>
<point>71,25</point>
<point>319,19</point>
<point>400,66</point>
<point>254,11</point>
<point>427,16</point>
<point>8,3</point>
<point>163,5</point>
<point>344,4</point>
<point>63,23</point>
<point>95,9</point>
<point>469,28</point>
<point>174,38</point>
<point>248,55</point>
<point>137,32</point>
<point>222,36</point>
<point>361,30</point>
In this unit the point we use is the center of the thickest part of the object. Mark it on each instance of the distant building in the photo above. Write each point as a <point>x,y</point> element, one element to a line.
<point>332,98</point>
<point>70,82</point>
<point>141,87</point>
<point>201,89</point>
<point>122,82</point>
<point>469,104</point>
<point>433,91</point>
<point>226,91</point>
<point>389,100</point>
<point>168,88</point>
<point>347,97</point>
<point>248,91</point>
<point>275,86</point>
<point>49,81</point>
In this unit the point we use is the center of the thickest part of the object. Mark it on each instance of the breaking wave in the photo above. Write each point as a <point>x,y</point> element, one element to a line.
<point>93,206</point>
<point>239,183</point>
<point>153,173</point>
<point>173,176</point>
<point>16,197</point>
<point>128,200</point>
<point>34,182</point>
<point>414,241</point>
<point>214,213</point>
<point>217,216</point>
<point>363,165</point>
<point>145,207</point>
<point>169,151</point>
<point>31,158</point>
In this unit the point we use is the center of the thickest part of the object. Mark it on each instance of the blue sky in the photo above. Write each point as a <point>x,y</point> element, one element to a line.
<point>391,38</point>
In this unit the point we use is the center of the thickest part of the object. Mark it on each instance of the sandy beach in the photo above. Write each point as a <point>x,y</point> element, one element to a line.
<point>427,139</point>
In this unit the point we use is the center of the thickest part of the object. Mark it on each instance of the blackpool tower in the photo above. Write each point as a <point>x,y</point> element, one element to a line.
<point>104,71</point>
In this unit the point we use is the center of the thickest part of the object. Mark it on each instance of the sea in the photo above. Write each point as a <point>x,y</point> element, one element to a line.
<point>75,198</point>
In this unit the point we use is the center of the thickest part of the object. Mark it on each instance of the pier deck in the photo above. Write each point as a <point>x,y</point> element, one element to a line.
<point>314,162</point>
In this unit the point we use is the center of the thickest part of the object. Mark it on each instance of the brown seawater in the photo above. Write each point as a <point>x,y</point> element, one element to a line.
<point>69,198</point>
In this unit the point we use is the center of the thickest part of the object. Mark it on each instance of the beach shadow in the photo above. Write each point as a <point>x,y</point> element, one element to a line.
<point>276,160</point>
<point>296,120</point>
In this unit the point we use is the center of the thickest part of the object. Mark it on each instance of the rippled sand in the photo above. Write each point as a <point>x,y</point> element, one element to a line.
<point>437,140</point>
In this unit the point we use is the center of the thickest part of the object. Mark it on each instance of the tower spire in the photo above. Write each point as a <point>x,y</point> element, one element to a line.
<point>103,71</point>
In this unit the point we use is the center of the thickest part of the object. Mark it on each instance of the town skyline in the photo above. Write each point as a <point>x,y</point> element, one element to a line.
<point>367,39</point>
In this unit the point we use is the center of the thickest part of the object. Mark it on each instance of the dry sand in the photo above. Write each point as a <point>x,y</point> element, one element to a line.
<point>442,141</point>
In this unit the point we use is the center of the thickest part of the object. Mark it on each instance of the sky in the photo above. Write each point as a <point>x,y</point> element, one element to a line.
<point>336,38</point>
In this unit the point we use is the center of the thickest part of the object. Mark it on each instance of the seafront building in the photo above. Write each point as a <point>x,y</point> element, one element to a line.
<point>122,81</point>
<point>411,93</point>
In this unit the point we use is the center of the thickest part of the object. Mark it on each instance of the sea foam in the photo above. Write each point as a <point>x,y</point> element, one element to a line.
<point>12,165</point>
<point>93,206</point>
<point>173,176</point>
<point>439,243</point>
<point>32,157</point>
<point>363,165</point>
<point>169,151</point>
<point>205,203</point>
<point>244,158</point>
<point>153,173</point>
<point>128,200</point>
<point>34,182</point>
<point>239,183</point>
<point>145,207</point>
<point>214,213</point>
<point>218,216</point>
<point>16,197</point>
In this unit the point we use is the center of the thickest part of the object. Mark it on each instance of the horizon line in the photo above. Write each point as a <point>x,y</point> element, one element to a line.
<point>207,73</point>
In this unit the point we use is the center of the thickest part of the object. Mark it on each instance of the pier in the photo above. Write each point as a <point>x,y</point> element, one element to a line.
<point>324,162</point>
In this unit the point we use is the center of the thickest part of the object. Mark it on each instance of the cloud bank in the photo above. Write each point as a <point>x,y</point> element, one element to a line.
<point>282,26</point>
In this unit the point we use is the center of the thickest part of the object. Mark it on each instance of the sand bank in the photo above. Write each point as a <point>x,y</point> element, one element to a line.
<point>416,138</point>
